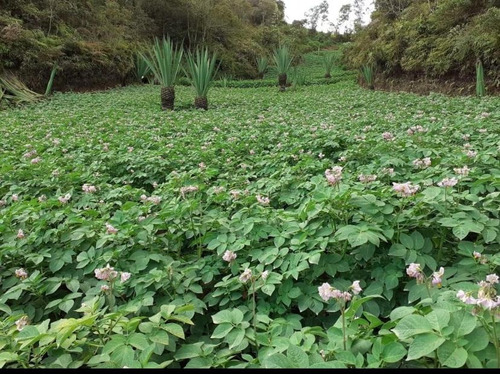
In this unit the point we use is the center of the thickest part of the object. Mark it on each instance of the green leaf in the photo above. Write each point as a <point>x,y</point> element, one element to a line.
<point>489,235</point>
<point>406,240</point>
<point>393,352</point>
<point>138,341</point>
<point>222,330</point>
<point>451,355</point>
<point>438,319</point>
<point>423,344</point>
<point>235,337</point>
<point>175,330</point>
<point>477,340</point>
<point>115,342</point>
<point>224,316</point>
<point>160,336</point>
<point>297,357</point>
<point>463,322</point>
<point>279,241</point>
<point>188,351</point>
<point>268,289</point>
<point>66,305</point>
<point>277,361</point>
<point>412,325</point>
<point>236,316</point>
<point>401,312</point>
<point>460,231</point>
<point>123,355</point>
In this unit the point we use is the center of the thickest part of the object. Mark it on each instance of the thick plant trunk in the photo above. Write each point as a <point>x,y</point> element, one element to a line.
<point>328,75</point>
<point>282,81</point>
<point>201,103</point>
<point>167,98</point>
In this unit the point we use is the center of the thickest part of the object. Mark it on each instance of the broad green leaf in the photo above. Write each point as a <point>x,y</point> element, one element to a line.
<point>222,330</point>
<point>438,319</point>
<point>123,355</point>
<point>115,342</point>
<point>174,329</point>
<point>401,312</point>
<point>450,355</point>
<point>423,344</point>
<point>412,325</point>
<point>297,357</point>
<point>188,351</point>
<point>277,361</point>
<point>393,352</point>
<point>463,321</point>
<point>477,340</point>
<point>138,340</point>
<point>222,317</point>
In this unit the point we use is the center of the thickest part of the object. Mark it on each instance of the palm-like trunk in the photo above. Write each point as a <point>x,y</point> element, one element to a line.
<point>282,81</point>
<point>328,75</point>
<point>167,98</point>
<point>201,103</point>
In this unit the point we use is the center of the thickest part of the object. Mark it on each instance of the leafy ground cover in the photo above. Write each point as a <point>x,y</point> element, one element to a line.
<point>326,226</point>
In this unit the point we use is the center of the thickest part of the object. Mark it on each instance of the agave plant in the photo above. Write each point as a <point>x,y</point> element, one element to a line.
<point>142,69</point>
<point>14,91</point>
<point>480,87</point>
<point>201,71</point>
<point>283,61</point>
<point>367,72</point>
<point>328,62</point>
<point>262,65</point>
<point>164,60</point>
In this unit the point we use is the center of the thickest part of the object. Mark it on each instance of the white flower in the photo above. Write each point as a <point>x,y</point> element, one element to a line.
<point>229,256</point>
<point>355,287</point>
<point>246,275</point>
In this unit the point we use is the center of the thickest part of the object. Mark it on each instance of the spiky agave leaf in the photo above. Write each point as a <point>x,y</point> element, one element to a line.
<point>480,87</point>
<point>50,83</point>
<point>282,59</point>
<point>262,65</point>
<point>328,62</point>
<point>367,72</point>
<point>201,71</point>
<point>15,91</point>
<point>142,68</point>
<point>164,60</point>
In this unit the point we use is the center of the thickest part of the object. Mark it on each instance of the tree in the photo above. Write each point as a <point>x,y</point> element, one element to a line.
<point>317,14</point>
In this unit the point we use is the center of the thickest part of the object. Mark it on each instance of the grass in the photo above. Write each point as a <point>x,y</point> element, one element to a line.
<point>184,306</point>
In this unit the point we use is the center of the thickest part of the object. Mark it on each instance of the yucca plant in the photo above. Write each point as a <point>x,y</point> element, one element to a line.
<point>283,61</point>
<point>480,87</point>
<point>201,71</point>
<point>367,73</point>
<point>50,83</point>
<point>142,69</point>
<point>262,65</point>
<point>328,62</point>
<point>164,60</point>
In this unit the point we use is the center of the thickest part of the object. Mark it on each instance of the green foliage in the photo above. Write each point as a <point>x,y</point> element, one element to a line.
<point>142,69</point>
<point>162,197</point>
<point>328,61</point>
<point>367,74</point>
<point>282,59</point>
<point>201,71</point>
<point>164,61</point>
<point>262,65</point>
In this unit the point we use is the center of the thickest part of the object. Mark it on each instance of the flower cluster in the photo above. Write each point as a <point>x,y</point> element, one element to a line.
<point>21,273</point>
<point>88,188</point>
<point>405,189</point>
<point>262,200</point>
<point>367,178</point>
<point>414,129</point>
<point>64,199</point>
<point>448,182</point>
<point>20,234</point>
<point>464,171</point>
<point>152,199</point>
<point>486,296</point>
<point>334,175</point>
<point>111,229</point>
<point>186,189</point>
<point>109,274</point>
<point>246,275</point>
<point>414,271</point>
<point>229,256</point>
<point>21,322</point>
<point>327,292</point>
<point>388,136</point>
<point>422,163</point>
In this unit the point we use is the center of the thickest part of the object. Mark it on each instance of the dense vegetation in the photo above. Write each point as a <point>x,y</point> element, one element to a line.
<point>308,228</point>
<point>93,43</point>
<point>432,39</point>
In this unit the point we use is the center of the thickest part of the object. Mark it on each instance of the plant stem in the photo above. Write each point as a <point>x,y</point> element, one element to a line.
<point>495,339</point>
<point>254,314</point>
<point>342,310</point>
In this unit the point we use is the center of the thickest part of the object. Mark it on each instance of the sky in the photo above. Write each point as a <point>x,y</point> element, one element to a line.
<point>295,10</point>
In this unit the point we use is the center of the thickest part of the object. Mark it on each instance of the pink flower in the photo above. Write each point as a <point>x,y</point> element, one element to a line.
<point>265,274</point>
<point>42,198</point>
<point>36,160</point>
<point>105,288</point>
<point>202,165</point>
<point>130,149</point>
<point>464,171</point>
<point>110,229</point>
<point>124,276</point>
<point>15,197</point>
<point>389,171</point>
<point>87,188</point>
<point>325,291</point>
<point>356,289</point>
<point>405,189</point>
<point>20,234</point>
<point>21,273</point>
<point>367,178</point>
<point>188,189</point>
<point>106,273</point>
<point>246,275</point>
<point>64,199</point>
<point>21,323</point>
<point>235,193</point>
<point>262,200</point>
<point>448,182</point>
<point>466,298</point>
<point>229,256</point>
<point>334,175</point>
<point>492,278</point>
<point>436,277</point>
<point>414,271</point>
<point>388,136</point>
<point>471,153</point>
